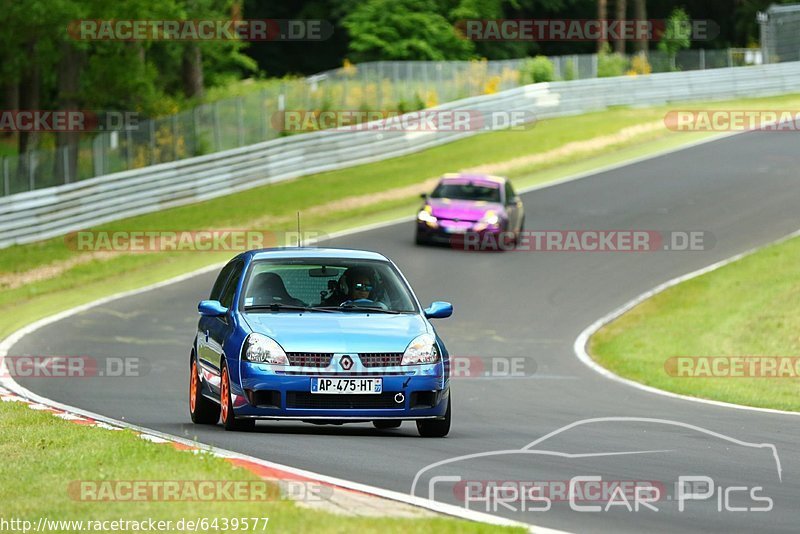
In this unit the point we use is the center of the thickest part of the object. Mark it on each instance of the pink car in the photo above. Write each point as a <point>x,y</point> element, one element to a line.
<point>470,207</point>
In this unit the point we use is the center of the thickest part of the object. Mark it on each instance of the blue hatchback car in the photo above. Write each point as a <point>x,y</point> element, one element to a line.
<point>320,335</point>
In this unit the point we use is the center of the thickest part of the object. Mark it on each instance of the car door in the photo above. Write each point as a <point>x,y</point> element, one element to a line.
<point>514,208</point>
<point>218,329</point>
<point>205,355</point>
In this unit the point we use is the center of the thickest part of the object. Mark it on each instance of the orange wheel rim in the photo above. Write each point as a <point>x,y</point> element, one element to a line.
<point>224,394</point>
<point>193,388</point>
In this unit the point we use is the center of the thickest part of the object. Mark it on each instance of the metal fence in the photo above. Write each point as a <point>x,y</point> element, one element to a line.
<point>41,214</point>
<point>780,33</point>
<point>249,119</point>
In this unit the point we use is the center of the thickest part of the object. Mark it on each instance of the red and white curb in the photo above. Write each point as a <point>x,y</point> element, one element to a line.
<point>12,392</point>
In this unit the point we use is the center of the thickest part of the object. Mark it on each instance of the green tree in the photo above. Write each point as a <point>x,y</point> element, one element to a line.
<point>620,14</point>
<point>403,30</point>
<point>677,35</point>
<point>602,14</point>
<point>640,13</point>
<point>44,66</point>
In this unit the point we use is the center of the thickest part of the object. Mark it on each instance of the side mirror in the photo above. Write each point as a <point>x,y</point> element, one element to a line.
<point>423,196</point>
<point>513,200</point>
<point>211,308</point>
<point>439,310</point>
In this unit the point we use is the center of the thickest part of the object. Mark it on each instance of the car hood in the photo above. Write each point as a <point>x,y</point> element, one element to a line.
<point>464,210</point>
<point>339,332</point>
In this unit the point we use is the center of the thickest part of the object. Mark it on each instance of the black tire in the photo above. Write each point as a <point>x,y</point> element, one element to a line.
<point>419,240</point>
<point>435,428</point>
<point>504,241</point>
<point>202,410</point>
<point>385,424</point>
<point>229,420</point>
<point>519,232</point>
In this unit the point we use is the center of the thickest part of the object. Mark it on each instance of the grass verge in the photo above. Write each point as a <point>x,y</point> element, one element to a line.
<point>747,308</point>
<point>74,453</point>
<point>272,207</point>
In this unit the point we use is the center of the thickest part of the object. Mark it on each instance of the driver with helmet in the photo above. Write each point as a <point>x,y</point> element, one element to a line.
<point>356,283</point>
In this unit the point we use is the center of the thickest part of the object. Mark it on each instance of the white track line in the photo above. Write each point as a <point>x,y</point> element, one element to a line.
<point>40,402</point>
<point>455,511</point>
<point>583,339</point>
<point>156,436</point>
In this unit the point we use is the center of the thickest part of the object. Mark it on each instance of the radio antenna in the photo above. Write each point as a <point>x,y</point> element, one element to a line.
<point>299,241</point>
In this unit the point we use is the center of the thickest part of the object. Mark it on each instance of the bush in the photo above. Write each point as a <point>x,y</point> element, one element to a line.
<point>492,86</point>
<point>415,104</point>
<point>609,64</point>
<point>640,65</point>
<point>431,99</point>
<point>202,145</point>
<point>536,70</point>
<point>569,70</point>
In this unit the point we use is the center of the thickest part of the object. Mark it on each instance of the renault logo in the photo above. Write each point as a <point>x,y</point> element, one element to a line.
<point>346,362</point>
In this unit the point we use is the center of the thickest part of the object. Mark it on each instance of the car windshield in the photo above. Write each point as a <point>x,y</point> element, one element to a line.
<point>338,284</point>
<point>466,190</point>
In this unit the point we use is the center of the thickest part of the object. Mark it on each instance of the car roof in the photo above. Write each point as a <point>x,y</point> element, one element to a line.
<point>315,252</point>
<point>475,176</point>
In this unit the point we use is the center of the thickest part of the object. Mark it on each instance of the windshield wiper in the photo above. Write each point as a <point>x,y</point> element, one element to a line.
<point>353,307</point>
<point>276,306</point>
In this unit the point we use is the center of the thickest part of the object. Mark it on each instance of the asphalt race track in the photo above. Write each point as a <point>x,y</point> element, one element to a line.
<point>744,189</point>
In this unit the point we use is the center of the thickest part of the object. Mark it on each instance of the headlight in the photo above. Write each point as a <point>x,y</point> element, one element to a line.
<point>425,215</point>
<point>261,349</point>
<point>421,351</point>
<point>490,218</point>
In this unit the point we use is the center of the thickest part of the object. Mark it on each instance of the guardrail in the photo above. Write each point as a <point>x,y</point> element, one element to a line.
<point>41,214</point>
<point>239,121</point>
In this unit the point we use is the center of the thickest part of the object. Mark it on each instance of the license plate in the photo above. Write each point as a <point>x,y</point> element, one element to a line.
<point>455,229</point>
<point>362,386</point>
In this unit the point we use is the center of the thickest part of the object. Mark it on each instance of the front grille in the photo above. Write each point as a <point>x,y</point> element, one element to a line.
<point>309,359</point>
<point>380,359</point>
<point>323,359</point>
<point>304,399</point>
<point>469,219</point>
